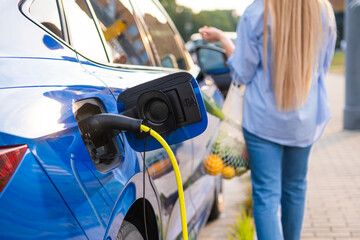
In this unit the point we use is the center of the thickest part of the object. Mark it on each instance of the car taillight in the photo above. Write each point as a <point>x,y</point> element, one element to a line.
<point>10,157</point>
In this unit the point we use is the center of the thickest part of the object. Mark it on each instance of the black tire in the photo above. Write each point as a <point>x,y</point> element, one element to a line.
<point>217,207</point>
<point>129,232</point>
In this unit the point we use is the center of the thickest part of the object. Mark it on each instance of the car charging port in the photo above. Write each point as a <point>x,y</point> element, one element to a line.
<point>106,149</point>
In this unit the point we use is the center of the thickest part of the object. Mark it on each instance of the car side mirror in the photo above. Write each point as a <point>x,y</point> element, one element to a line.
<point>170,105</point>
<point>211,59</point>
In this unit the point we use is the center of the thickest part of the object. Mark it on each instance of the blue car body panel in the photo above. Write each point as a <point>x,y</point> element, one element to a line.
<point>32,202</point>
<point>56,192</point>
<point>42,118</point>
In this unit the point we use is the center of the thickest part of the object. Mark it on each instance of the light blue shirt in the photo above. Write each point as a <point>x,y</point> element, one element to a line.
<point>260,115</point>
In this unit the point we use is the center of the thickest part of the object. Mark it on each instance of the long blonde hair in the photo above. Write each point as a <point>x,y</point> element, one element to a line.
<point>296,30</point>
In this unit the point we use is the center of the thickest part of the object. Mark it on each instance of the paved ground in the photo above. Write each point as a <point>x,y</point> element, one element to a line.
<point>333,200</point>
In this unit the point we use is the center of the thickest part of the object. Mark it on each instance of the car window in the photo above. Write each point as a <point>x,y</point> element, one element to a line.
<point>120,31</point>
<point>162,35</point>
<point>84,35</point>
<point>47,13</point>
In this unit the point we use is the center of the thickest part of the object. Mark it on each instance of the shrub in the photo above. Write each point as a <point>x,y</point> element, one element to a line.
<point>244,228</point>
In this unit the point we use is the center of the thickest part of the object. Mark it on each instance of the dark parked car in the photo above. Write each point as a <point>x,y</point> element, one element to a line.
<point>196,40</point>
<point>212,59</point>
<point>62,61</point>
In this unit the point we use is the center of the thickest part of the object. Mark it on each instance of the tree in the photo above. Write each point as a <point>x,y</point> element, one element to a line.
<point>187,22</point>
<point>225,20</point>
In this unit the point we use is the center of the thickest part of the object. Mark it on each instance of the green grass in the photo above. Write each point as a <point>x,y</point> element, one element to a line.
<point>338,63</point>
<point>244,228</point>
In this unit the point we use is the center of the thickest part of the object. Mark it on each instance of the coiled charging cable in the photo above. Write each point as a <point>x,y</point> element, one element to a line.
<point>177,176</point>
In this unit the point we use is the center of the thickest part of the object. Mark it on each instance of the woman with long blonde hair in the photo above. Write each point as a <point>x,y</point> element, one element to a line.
<point>282,53</point>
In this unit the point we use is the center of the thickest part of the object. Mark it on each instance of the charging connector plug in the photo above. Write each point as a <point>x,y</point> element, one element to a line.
<point>99,124</point>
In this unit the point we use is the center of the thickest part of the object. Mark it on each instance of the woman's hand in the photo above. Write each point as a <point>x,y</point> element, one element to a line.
<point>211,34</point>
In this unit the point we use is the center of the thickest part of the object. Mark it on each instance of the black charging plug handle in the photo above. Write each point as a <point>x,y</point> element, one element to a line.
<point>101,123</point>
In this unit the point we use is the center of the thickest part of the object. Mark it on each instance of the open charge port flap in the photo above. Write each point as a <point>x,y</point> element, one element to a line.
<point>171,105</point>
<point>178,93</point>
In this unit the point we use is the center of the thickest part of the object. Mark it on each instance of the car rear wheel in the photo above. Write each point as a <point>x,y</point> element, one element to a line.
<point>129,232</point>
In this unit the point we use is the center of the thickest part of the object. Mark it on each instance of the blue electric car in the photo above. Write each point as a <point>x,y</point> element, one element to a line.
<point>62,61</point>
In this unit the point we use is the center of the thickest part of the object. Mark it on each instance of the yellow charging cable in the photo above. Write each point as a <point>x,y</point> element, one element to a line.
<point>177,176</point>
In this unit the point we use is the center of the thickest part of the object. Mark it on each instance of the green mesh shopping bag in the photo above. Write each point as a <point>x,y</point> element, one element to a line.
<point>228,143</point>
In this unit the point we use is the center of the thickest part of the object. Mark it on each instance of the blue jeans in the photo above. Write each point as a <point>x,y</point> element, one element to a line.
<point>278,176</point>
